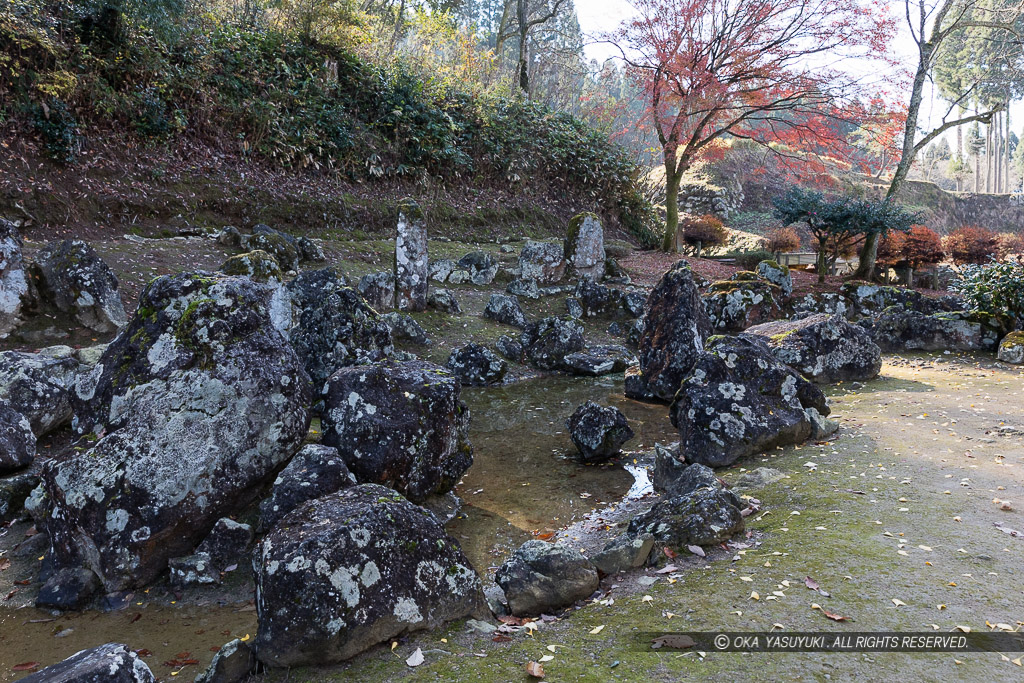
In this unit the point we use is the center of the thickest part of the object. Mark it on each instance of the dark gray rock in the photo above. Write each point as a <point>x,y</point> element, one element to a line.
<point>573,308</point>
<point>256,265</point>
<point>70,588</point>
<point>624,553</point>
<point>315,471</point>
<point>598,432</point>
<point>14,491</point>
<point>510,348</point>
<point>274,243</point>
<point>399,424</point>
<point>523,288</point>
<point>444,300</point>
<point>820,302</point>
<point>405,328</point>
<point>477,365</point>
<point>584,246</point>
<point>75,280</point>
<point>868,299</point>
<point>633,303</point>
<point>823,348</point>
<point>595,361</point>
<point>229,236</point>
<point>334,328</point>
<point>739,400</point>
<point>668,467</point>
<point>232,664</point>
<point>193,570</point>
<point>679,479</point>
<point>777,275</point>
<point>734,305</point>
<point>17,442</point>
<point>541,577</point>
<point>378,289</point>
<point>1011,348</point>
<point>482,267</point>
<point>14,284</point>
<point>505,309</point>
<point>195,405</point>
<point>706,516</point>
<point>597,299</point>
<point>227,543</point>
<point>39,385</point>
<point>901,329</point>
<point>110,663</point>
<point>411,269</point>
<point>672,338</point>
<point>542,262</point>
<point>440,270</point>
<point>352,569</point>
<point>547,342</point>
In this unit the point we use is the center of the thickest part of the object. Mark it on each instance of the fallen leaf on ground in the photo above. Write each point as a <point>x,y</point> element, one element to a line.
<point>25,666</point>
<point>696,550</point>
<point>416,658</point>
<point>596,629</point>
<point>534,669</point>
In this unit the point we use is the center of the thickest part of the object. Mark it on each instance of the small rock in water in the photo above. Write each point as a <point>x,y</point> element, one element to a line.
<point>598,432</point>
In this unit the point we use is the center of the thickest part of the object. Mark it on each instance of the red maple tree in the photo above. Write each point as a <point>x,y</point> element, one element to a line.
<point>756,69</point>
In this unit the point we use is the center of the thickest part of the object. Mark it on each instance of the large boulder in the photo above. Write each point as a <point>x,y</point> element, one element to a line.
<point>1011,348</point>
<point>820,302</point>
<point>314,472</point>
<point>505,308</point>
<point>334,327</point>
<point>542,262</point>
<point>444,300</point>
<point>405,328</point>
<point>597,360</point>
<point>481,266</point>
<point>547,342</point>
<point>110,663</point>
<point>402,425</point>
<point>256,265</point>
<point>901,329</point>
<point>14,287</point>
<point>673,336</point>
<point>352,569</point>
<point>823,348</point>
<point>192,408</point>
<point>411,269</point>
<point>584,246</point>
<point>307,249</point>
<point>867,299</point>
<point>39,385</point>
<point>739,400</point>
<point>598,432</point>
<point>541,577</point>
<point>75,280</point>
<point>777,275</point>
<point>477,365</point>
<point>705,516</point>
<point>276,244</point>
<point>17,442</point>
<point>378,289</point>
<point>734,305</point>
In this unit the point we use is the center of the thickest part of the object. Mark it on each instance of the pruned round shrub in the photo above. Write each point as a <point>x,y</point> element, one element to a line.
<point>782,240</point>
<point>705,232</point>
<point>971,244</point>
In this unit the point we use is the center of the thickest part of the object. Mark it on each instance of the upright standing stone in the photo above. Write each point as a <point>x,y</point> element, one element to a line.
<point>411,270</point>
<point>13,283</point>
<point>584,246</point>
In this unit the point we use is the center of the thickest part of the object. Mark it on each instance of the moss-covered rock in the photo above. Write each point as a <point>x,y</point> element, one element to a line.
<point>1011,348</point>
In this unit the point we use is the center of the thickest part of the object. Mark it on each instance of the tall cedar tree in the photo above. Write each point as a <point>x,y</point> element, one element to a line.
<point>744,68</point>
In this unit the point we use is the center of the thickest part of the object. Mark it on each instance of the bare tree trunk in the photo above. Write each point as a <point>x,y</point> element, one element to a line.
<point>959,153</point>
<point>524,31</point>
<point>988,158</point>
<point>672,179</point>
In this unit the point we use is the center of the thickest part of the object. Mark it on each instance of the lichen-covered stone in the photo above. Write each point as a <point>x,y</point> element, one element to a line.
<point>402,425</point>
<point>547,342</point>
<point>255,265</point>
<point>734,305</point>
<point>229,236</point>
<point>820,302</point>
<point>227,542</point>
<point>505,309</point>
<point>1011,348</point>
<point>315,471</point>
<point>440,270</point>
<point>901,329</point>
<point>17,442</point>
<point>482,267</point>
<point>866,299</point>
<point>352,569</point>
<point>477,365</point>
<point>573,308</point>
<point>75,280</point>
<point>14,284</point>
<point>411,269</point>
<point>68,588</point>
<point>541,577</point>
<point>378,289</point>
<point>232,664</point>
<point>823,348</point>
<point>334,328</point>
<point>39,385</point>
<point>523,288</point>
<point>597,431</point>
<point>510,348</point>
<point>542,262</point>
<point>444,300</point>
<point>777,275</point>
<point>405,328</point>
<point>705,516</point>
<point>110,663</point>
<point>675,478</point>
<point>193,407</point>
<point>673,336</point>
<point>595,360</point>
<point>739,400</point>
<point>279,245</point>
<point>193,570</point>
<point>584,246</point>
<point>623,553</point>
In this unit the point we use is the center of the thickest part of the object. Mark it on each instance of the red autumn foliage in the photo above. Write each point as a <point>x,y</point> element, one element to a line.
<point>782,239</point>
<point>1010,244</point>
<point>917,247</point>
<point>708,231</point>
<point>971,244</point>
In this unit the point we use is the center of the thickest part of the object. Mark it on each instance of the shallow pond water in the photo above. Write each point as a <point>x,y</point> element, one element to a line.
<point>525,481</point>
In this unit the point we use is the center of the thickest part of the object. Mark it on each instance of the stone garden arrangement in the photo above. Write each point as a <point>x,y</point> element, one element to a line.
<point>274,385</point>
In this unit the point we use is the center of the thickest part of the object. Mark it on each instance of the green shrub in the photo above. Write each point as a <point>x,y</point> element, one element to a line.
<point>994,288</point>
<point>748,260</point>
<point>57,126</point>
